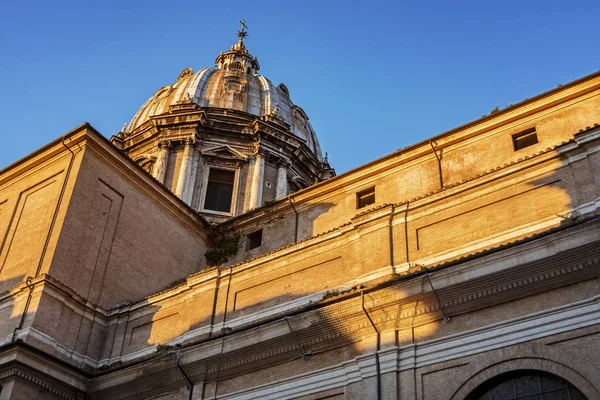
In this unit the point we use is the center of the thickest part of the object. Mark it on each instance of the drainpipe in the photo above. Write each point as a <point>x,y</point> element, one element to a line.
<point>187,379</point>
<point>29,279</point>
<point>215,298</point>
<point>296,221</point>
<point>406,230</point>
<point>226,299</point>
<point>377,366</point>
<point>391,231</point>
<point>439,162</point>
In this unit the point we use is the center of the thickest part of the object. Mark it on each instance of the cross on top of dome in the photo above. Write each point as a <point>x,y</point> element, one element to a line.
<point>243,33</point>
<point>237,58</point>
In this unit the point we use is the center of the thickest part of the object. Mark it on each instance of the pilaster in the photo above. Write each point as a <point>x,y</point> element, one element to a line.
<point>282,185</point>
<point>186,165</point>
<point>160,168</point>
<point>191,178</point>
<point>257,179</point>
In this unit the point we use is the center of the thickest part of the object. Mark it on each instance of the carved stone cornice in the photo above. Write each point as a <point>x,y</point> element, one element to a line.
<point>141,157</point>
<point>17,372</point>
<point>183,105</point>
<point>262,152</point>
<point>224,152</point>
<point>189,141</point>
<point>164,143</point>
<point>284,162</point>
<point>204,120</point>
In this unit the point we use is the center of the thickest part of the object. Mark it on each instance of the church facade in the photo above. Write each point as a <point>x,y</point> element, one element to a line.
<point>209,251</point>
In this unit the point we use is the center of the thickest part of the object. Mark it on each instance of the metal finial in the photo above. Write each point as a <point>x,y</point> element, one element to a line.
<point>242,33</point>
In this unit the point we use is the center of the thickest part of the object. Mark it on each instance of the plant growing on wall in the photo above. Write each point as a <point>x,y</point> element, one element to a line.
<point>222,247</point>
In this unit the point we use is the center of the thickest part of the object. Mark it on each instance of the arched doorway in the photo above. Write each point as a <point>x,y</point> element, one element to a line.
<point>526,385</point>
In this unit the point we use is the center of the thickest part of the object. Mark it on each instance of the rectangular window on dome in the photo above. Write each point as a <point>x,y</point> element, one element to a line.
<point>219,190</point>
<point>524,139</point>
<point>365,198</point>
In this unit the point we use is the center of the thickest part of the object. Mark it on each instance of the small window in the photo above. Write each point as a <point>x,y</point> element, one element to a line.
<point>254,239</point>
<point>219,191</point>
<point>236,66</point>
<point>524,139</point>
<point>365,198</point>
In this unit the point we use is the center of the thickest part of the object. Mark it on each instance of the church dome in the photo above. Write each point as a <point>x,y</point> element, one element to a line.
<point>233,83</point>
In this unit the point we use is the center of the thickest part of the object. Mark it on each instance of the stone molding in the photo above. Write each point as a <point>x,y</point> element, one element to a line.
<point>522,329</point>
<point>188,141</point>
<point>262,152</point>
<point>397,359</point>
<point>480,267</point>
<point>50,387</point>
<point>164,143</point>
<point>535,163</point>
<point>284,162</point>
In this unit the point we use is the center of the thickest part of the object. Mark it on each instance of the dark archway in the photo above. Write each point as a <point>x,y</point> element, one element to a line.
<point>526,385</point>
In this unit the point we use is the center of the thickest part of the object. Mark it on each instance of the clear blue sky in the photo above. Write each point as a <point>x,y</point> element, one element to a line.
<point>373,76</point>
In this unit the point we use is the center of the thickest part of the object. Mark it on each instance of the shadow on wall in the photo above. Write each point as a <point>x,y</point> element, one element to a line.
<point>13,317</point>
<point>249,342</point>
<point>245,318</point>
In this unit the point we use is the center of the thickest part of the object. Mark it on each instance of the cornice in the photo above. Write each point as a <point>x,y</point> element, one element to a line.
<point>468,286</point>
<point>282,206</point>
<point>50,387</point>
<point>40,365</point>
<point>580,87</point>
<point>237,123</point>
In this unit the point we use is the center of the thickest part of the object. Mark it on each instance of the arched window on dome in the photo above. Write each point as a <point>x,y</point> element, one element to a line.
<point>526,384</point>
